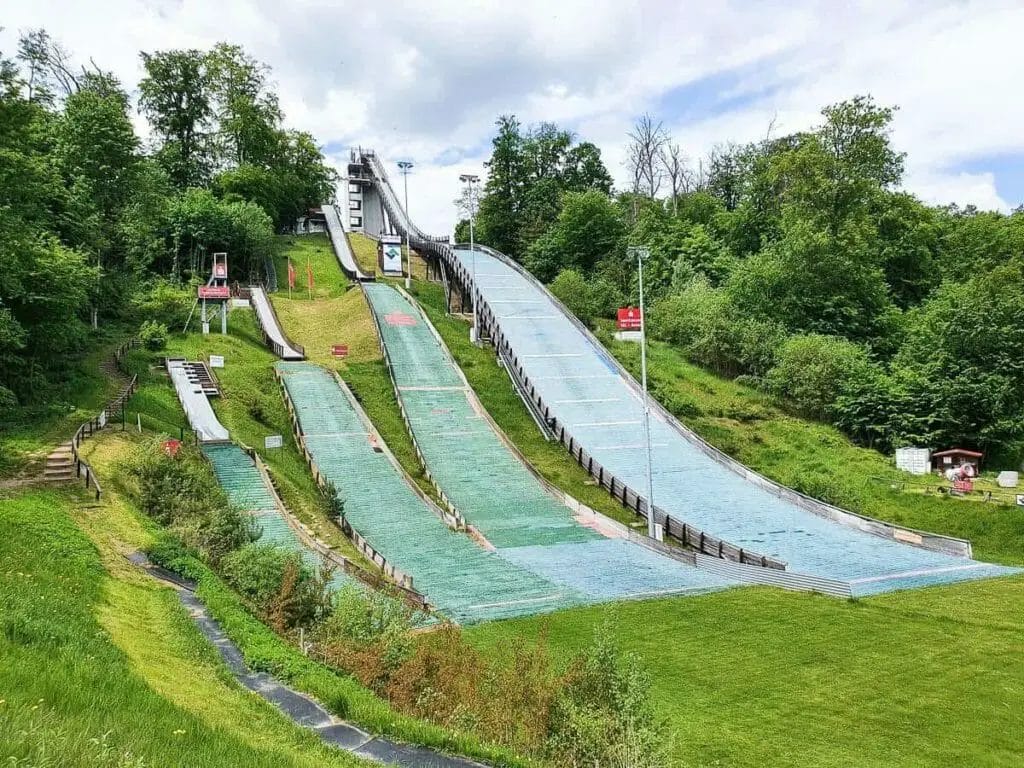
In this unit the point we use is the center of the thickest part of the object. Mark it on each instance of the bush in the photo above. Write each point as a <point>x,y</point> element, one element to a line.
<point>166,303</point>
<point>587,298</point>
<point>368,634</point>
<point>182,493</point>
<point>814,370</point>
<point>604,715</point>
<point>570,287</point>
<point>153,335</point>
<point>278,585</point>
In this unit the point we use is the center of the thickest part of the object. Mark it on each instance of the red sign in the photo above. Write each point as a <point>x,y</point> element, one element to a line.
<point>965,486</point>
<point>220,270</point>
<point>171,447</point>
<point>629,319</point>
<point>339,350</point>
<point>214,292</point>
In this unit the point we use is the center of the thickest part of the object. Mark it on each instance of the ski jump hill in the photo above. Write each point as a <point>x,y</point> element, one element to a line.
<point>741,525</point>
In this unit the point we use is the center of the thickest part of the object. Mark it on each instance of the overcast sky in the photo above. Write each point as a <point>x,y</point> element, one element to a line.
<point>426,80</point>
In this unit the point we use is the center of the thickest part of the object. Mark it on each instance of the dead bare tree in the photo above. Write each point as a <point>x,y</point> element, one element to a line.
<point>51,73</point>
<point>673,164</point>
<point>643,157</point>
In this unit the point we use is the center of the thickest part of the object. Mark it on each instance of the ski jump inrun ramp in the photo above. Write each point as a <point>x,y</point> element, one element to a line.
<point>595,405</point>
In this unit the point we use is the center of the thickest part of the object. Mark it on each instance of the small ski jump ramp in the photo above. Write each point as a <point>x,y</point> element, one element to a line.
<point>197,407</point>
<point>342,249</point>
<point>278,340</point>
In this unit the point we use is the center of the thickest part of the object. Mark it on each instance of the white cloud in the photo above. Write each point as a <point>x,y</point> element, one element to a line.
<point>427,79</point>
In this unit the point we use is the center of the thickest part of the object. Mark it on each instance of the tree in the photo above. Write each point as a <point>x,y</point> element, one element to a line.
<point>175,95</point>
<point>247,113</point>
<point>502,198</point>
<point>587,230</point>
<point>646,141</point>
<point>673,164</point>
<point>585,170</point>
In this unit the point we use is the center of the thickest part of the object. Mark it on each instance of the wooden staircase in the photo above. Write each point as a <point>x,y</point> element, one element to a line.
<point>60,465</point>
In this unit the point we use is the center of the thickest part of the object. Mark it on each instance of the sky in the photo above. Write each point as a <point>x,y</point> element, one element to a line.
<point>425,81</point>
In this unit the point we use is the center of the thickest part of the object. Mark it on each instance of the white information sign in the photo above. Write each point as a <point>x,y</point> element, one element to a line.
<point>273,441</point>
<point>391,254</point>
<point>216,361</point>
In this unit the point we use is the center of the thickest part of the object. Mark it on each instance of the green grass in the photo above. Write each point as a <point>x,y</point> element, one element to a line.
<point>29,434</point>
<point>494,388</point>
<point>365,250</point>
<point>93,664</point>
<point>758,677</point>
<point>818,459</point>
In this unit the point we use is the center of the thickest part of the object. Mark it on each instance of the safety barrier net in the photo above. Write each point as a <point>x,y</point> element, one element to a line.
<point>459,577</point>
<point>589,396</point>
<point>494,490</point>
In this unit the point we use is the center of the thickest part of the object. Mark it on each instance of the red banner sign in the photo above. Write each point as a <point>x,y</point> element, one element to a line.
<point>629,319</point>
<point>339,350</point>
<point>214,292</point>
<point>964,486</point>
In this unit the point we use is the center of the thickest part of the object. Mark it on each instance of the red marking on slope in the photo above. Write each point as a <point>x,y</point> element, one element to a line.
<point>399,318</point>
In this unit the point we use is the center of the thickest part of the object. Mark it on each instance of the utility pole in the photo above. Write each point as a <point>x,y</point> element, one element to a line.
<point>406,166</point>
<point>641,255</point>
<point>469,180</point>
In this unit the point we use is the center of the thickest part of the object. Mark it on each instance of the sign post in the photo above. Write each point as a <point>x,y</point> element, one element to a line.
<point>391,255</point>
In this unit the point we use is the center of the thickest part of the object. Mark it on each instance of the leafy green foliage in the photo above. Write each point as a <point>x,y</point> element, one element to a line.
<point>153,335</point>
<point>278,585</point>
<point>604,714</point>
<point>182,493</point>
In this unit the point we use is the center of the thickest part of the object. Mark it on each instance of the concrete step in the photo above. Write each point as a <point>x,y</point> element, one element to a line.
<point>58,477</point>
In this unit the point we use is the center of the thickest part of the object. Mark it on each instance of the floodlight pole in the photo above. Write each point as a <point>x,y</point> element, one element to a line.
<point>406,166</point>
<point>469,180</point>
<point>641,254</point>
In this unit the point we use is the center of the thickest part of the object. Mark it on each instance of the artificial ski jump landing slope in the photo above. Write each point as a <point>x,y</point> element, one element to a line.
<point>492,489</point>
<point>596,401</point>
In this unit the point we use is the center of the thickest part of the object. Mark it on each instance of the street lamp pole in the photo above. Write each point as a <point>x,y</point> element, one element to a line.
<point>469,180</point>
<point>406,166</point>
<point>641,254</point>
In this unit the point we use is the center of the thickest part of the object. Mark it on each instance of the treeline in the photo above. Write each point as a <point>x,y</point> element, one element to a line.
<point>92,218</point>
<point>797,264</point>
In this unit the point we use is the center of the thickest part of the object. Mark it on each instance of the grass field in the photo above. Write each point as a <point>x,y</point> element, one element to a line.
<point>93,662</point>
<point>758,677</point>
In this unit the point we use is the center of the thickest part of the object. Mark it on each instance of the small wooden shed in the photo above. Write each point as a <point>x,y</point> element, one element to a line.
<point>956,457</point>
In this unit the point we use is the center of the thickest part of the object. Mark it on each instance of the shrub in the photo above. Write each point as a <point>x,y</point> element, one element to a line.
<point>604,715</point>
<point>570,287</point>
<point>181,492</point>
<point>153,335</point>
<point>369,634</point>
<point>278,585</point>
<point>167,303</point>
<point>813,370</point>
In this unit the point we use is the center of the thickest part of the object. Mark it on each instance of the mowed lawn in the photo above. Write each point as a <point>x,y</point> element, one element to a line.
<point>105,668</point>
<point>760,677</point>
